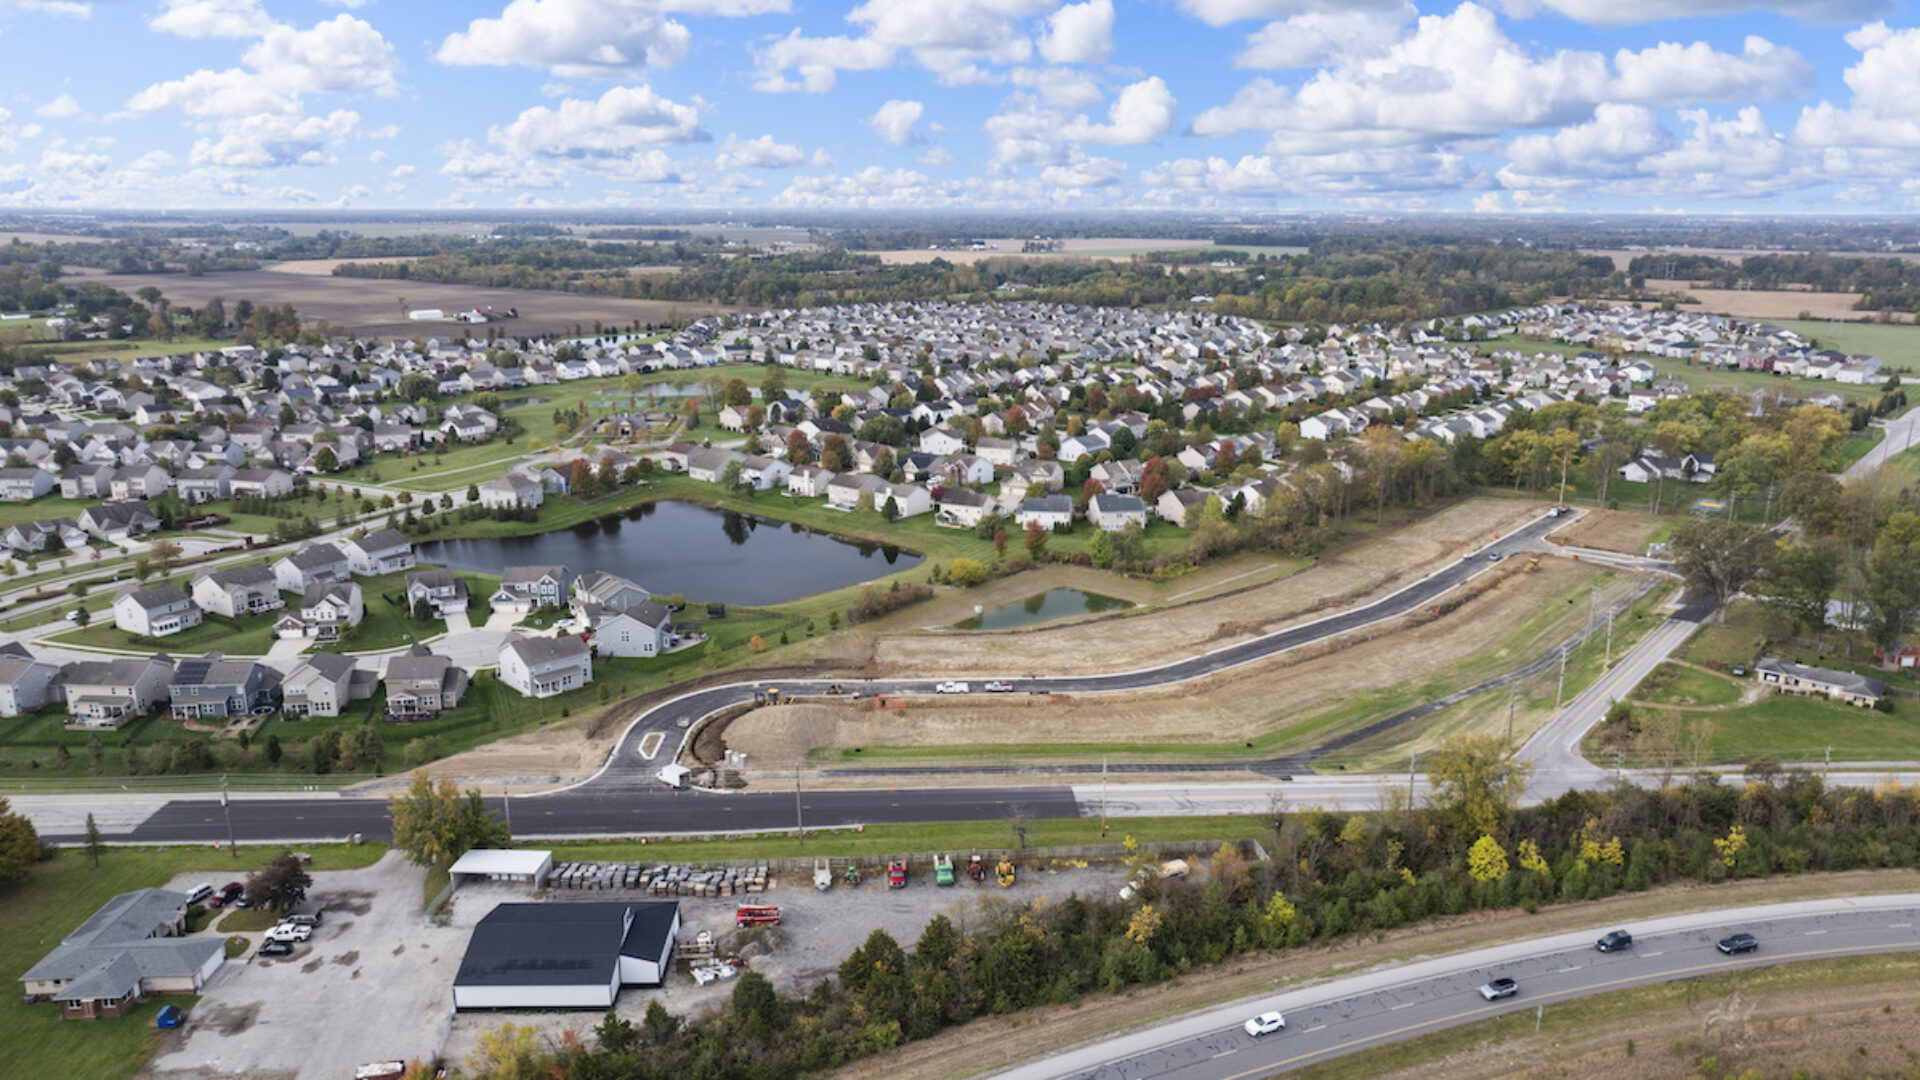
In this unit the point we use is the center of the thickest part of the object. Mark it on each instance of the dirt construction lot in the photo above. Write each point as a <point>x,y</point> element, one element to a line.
<point>1612,530</point>
<point>1307,695</point>
<point>817,931</point>
<point>374,983</point>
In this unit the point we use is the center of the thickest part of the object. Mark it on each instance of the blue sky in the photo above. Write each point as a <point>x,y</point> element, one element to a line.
<point>1703,106</point>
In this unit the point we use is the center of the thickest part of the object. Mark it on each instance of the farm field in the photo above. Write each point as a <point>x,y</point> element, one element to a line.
<point>372,307</point>
<point>1768,304</point>
<point>1090,247</point>
<point>1896,346</point>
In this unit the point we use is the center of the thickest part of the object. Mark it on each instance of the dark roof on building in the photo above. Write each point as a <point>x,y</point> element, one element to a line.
<point>563,944</point>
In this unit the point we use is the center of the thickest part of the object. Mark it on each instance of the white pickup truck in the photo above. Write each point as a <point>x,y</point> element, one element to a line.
<point>951,688</point>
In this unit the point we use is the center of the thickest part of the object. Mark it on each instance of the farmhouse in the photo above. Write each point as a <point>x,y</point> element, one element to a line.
<point>565,956</point>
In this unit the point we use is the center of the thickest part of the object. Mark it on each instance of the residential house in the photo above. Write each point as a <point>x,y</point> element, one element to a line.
<point>78,481</point>
<point>645,629</point>
<point>323,685</point>
<point>1177,506</point>
<point>940,441</point>
<point>208,484</point>
<point>155,612</point>
<point>133,947</point>
<point>808,481</point>
<point>114,522</point>
<point>765,473</point>
<point>512,492</point>
<point>529,588</point>
<point>421,685</point>
<point>845,491</point>
<point>139,482</point>
<point>610,591</point>
<point>443,593</point>
<point>108,693</point>
<point>20,485</point>
<point>238,592</point>
<point>1118,477</point>
<point>1844,686</point>
<point>963,507</point>
<point>261,483</point>
<point>382,552</point>
<point>327,611</point>
<point>545,666</point>
<point>1047,511</point>
<point>59,534</point>
<point>1111,513</point>
<point>315,564</point>
<point>214,686</point>
<point>27,684</point>
<point>1004,453</point>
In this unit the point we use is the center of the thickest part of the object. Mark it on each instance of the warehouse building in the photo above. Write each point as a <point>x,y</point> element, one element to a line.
<point>501,864</point>
<point>565,955</point>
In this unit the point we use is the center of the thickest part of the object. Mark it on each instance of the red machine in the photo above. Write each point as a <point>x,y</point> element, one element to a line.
<point>896,873</point>
<point>757,915</point>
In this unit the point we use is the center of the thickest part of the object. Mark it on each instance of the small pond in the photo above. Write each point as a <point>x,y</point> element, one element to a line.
<point>1049,605</point>
<point>700,552</point>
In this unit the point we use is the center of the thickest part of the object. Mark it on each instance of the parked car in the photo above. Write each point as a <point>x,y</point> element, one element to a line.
<point>1493,556</point>
<point>1499,988</point>
<point>951,688</point>
<point>277,948</point>
<point>1740,671</point>
<point>1265,1024</point>
<point>290,932</point>
<point>999,686</point>
<point>201,894</point>
<point>302,919</point>
<point>228,893</point>
<point>1738,943</point>
<point>1615,941</point>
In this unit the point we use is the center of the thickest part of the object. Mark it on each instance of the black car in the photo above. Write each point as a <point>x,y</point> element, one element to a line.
<point>277,948</point>
<point>1615,941</point>
<point>1738,943</point>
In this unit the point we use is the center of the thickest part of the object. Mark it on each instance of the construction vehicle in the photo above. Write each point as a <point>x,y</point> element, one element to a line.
<point>976,869</point>
<point>772,696</point>
<point>823,874</point>
<point>1004,873</point>
<point>853,873</point>
<point>943,869</point>
<point>756,915</point>
<point>1533,565</point>
<point>896,873</point>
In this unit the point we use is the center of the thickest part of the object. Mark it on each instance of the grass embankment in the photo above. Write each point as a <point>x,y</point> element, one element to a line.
<point>1638,1031</point>
<point>51,903</point>
<point>879,841</point>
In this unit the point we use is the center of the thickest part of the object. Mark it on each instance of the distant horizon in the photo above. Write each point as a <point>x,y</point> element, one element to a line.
<point>1777,108</point>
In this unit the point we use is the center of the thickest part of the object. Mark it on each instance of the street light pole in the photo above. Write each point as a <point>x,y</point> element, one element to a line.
<point>1560,692</point>
<point>227,809</point>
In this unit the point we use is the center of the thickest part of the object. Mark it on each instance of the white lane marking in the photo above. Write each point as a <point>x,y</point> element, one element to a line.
<point>1900,926</point>
<point>1564,970</point>
<point>1404,1005</point>
<point>650,744</point>
<point>1224,1053</point>
<point>1651,954</point>
<point>1318,1027</point>
<point>1814,933</point>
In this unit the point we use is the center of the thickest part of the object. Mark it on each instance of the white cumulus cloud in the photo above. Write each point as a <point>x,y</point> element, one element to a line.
<point>59,108</point>
<point>212,18</point>
<point>894,120</point>
<point>764,152</point>
<point>1671,72</point>
<point>1079,33</point>
<point>1142,113</point>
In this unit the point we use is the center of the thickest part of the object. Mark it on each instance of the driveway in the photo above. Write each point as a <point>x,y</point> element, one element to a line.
<point>459,623</point>
<point>375,983</point>
<point>287,649</point>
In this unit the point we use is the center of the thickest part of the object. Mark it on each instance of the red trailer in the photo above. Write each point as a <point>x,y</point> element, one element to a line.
<point>757,915</point>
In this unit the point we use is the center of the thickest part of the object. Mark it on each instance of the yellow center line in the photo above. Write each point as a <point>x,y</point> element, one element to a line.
<point>1576,992</point>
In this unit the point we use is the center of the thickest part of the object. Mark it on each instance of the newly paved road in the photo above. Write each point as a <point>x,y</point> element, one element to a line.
<point>1398,1002</point>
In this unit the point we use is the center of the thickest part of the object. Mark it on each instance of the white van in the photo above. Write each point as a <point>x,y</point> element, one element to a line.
<point>201,894</point>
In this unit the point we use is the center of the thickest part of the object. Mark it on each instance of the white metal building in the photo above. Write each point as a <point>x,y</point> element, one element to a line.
<point>501,864</point>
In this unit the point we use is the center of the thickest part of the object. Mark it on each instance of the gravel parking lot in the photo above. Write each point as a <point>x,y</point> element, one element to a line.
<point>817,931</point>
<point>375,982</point>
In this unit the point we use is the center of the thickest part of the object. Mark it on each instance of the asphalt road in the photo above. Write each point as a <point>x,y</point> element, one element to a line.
<point>1403,1001</point>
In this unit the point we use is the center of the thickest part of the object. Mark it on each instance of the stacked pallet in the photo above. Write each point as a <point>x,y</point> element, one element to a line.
<point>661,880</point>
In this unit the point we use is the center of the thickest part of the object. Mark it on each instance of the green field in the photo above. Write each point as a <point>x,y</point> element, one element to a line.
<point>389,623</point>
<point>1705,378</point>
<point>1722,645</point>
<point>43,508</point>
<point>1673,684</point>
<point>57,895</point>
<point>1897,346</point>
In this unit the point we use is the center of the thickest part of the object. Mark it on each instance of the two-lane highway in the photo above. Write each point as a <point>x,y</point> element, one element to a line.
<point>1398,1002</point>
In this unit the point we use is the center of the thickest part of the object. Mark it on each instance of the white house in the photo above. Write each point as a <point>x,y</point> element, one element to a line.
<point>238,592</point>
<point>543,666</point>
<point>382,552</point>
<point>646,629</point>
<point>314,564</point>
<point>1111,513</point>
<point>808,481</point>
<point>512,491</point>
<point>1046,511</point>
<point>155,612</point>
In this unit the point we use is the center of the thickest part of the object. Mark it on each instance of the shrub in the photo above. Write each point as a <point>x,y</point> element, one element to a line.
<point>966,573</point>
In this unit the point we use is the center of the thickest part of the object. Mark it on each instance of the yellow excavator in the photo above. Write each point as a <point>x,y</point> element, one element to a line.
<point>1004,873</point>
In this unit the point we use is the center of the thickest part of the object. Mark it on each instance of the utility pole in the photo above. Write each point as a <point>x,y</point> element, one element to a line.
<point>1413,762</point>
<point>1609,664</point>
<point>1103,794</point>
<point>1511,694</point>
<point>799,822</point>
<point>506,803</point>
<point>1828,767</point>
<point>1560,693</point>
<point>227,809</point>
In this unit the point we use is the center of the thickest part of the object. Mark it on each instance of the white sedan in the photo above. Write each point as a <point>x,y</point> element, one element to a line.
<point>1265,1024</point>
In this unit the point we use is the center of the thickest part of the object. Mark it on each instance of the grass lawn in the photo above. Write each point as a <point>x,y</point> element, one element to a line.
<point>1791,727</point>
<point>41,509</point>
<point>1737,641</point>
<point>389,623</point>
<point>73,351</point>
<point>1672,684</point>
<point>1856,448</point>
<point>883,840</point>
<point>251,636</point>
<point>52,901</point>
<point>1703,378</point>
